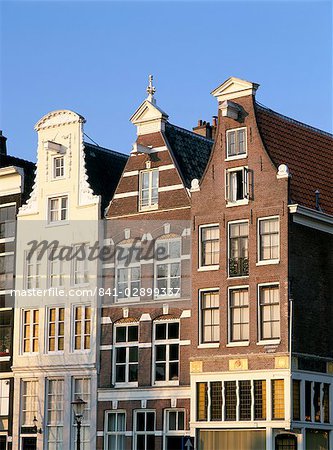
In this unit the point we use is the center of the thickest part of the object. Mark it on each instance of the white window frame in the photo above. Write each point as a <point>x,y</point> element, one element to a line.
<point>202,343</point>
<point>83,322</point>
<point>262,262</point>
<point>56,272</point>
<point>128,267</point>
<point>34,404</point>
<point>114,433</point>
<point>167,342</point>
<point>237,222</point>
<point>59,210</point>
<point>203,267</point>
<point>237,155</point>
<point>168,262</point>
<point>49,424</point>
<point>246,186</point>
<point>166,430</point>
<point>126,344</point>
<point>80,267</point>
<point>61,167</point>
<point>232,343</point>
<point>261,340</point>
<point>150,206</point>
<point>86,420</point>
<point>32,279</point>
<point>31,338</point>
<point>57,335</point>
<point>4,396</point>
<point>9,238</point>
<point>135,431</point>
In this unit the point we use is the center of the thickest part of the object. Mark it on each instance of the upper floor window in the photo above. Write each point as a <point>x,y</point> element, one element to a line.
<point>6,317</point>
<point>30,335</point>
<point>268,239</point>
<point>29,402</point>
<point>278,399</point>
<point>166,352</point>
<point>209,245</point>
<point>4,398</point>
<point>58,167</point>
<point>239,315</point>
<point>238,185</point>
<point>148,189</point>
<point>236,143</point>
<point>126,354</point>
<point>128,272</point>
<point>32,270</point>
<point>209,316</point>
<point>167,270</point>
<point>80,264</point>
<point>238,249</point>
<point>6,270</point>
<point>82,327</point>
<point>58,209</point>
<point>7,221</point>
<point>269,312</point>
<point>56,329</point>
<point>56,272</point>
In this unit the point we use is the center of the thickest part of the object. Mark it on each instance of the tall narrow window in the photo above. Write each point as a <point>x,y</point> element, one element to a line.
<point>259,399</point>
<point>6,270</point>
<point>148,189</point>
<point>6,329</point>
<point>58,167</point>
<point>33,270</point>
<point>296,400</point>
<point>308,395</point>
<point>166,352</point>
<point>128,272</point>
<point>4,397</point>
<point>202,401</point>
<point>216,400</point>
<point>168,271</point>
<point>7,221</point>
<point>269,298</point>
<point>245,400</point>
<point>278,399</point>
<point>80,264</point>
<point>115,430</point>
<point>210,316</point>
<point>126,353</point>
<point>82,389</point>
<point>326,403</point>
<point>316,401</point>
<point>29,402</point>
<point>55,414</point>
<point>174,428</point>
<point>82,327</point>
<point>58,209</point>
<point>269,239</point>
<point>236,142</point>
<point>56,329</point>
<point>144,430</point>
<point>56,271</point>
<point>230,400</point>
<point>239,315</point>
<point>238,249</point>
<point>210,245</point>
<point>30,330</point>
<point>238,185</point>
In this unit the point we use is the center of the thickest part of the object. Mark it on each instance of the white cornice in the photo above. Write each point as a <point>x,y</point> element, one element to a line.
<point>149,118</point>
<point>58,118</point>
<point>11,187</point>
<point>234,88</point>
<point>311,218</point>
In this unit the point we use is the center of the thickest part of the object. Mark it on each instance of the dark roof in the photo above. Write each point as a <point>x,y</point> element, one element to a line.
<point>190,150</point>
<point>104,168</point>
<point>28,168</point>
<point>308,153</point>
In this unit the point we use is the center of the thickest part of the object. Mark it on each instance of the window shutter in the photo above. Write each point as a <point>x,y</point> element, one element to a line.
<point>227,186</point>
<point>248,183</point>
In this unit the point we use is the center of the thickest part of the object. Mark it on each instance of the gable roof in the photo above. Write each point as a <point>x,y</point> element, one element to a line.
<point>308,153</point>
<point>29,171</point>
<point>190,150</point>
<point>104,168</point>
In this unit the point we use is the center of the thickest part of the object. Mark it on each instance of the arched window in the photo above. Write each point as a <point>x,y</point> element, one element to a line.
<point>286,442</point>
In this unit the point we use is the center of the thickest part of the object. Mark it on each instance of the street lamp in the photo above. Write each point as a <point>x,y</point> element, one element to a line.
<point>78,408</point>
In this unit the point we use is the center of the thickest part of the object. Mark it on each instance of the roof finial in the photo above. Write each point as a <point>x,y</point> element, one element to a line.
<point>151,90</point>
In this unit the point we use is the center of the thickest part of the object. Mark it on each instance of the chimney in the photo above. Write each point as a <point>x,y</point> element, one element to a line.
<point>3,147</point>
<point>203,129</point>
<point>214,127</point>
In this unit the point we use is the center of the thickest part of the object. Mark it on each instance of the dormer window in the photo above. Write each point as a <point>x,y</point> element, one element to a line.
<point>238,185</point>
<point>236,143</point>
<point>148,189</point>
<point>58,167</point>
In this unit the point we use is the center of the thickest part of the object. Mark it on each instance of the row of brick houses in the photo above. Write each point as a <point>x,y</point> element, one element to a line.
<point>205,321</point>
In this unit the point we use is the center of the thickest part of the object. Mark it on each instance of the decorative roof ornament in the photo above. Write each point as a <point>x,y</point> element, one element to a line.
<point>151,90</point>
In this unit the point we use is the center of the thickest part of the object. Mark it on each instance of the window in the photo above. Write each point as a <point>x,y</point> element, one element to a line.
<point>81,389</point>
<point>32,270</point>
<point>55,414</point>
<point>202,401</point>
<point>268,239</point>
<point>230,400</point>
<point>238,185</point>
<point>56,271</point>
<point>82,327</point>
<point>7,221</point>
<point>58,167</point>
<point>210,316</point>
<point>238,249</point>
<point>128,272</point>
<point>115,430</point>
<point>209,245</point>
<point>296,399</point>
<point>30,330</point>
<point>278,399</point>
<point>4,397</point>
<point>259,399</point>
<point>245,400</point>
<point>269,298</point>
<point>174,420</point>
<point>216,400</point>
<point>58,209</point>
<point>148,189</point>
<point>167,273</point>
<point>6,326</point>
<point>29,402</point>
<point>126,354</point>
<point>326,403</point>
<point>56,329</point>
<point>239,314</point>
<point>166,352</point>
<point>80,265</point>
<point>286,442</point>
<point>144,430</point>
<point>6,270</point>
<point>236,143</point>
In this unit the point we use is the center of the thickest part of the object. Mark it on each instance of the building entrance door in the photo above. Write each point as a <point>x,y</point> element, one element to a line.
<point>29,443</point>
<point>285,442</point>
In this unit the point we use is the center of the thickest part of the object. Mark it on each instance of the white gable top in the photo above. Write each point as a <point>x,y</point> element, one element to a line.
<point>149,118</point>
<point>58,118</point>
<point>234,88</point>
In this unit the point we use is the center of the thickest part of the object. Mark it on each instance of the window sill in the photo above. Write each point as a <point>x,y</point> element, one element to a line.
<point>209,345</point>
<point>7,239</point>
<point>148,208</point>
<point>238,344</point>
<point>244,201</point>
<point>268,262</point>
<point>166,383</point>
<point>5,358</point>
<point>207,268</point>
<point>56,353</point>
<point>57,224</point>
<point>78,286</point>
<point>237,278</point>
<point>234,158</point>
<point>126,385</point>
<point>269,342</point>
<point>80,352</point>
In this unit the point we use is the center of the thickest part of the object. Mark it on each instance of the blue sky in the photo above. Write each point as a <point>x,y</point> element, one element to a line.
<point>94,58</point>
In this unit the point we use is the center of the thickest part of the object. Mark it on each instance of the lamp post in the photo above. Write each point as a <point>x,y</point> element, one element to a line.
<point>78,408</point>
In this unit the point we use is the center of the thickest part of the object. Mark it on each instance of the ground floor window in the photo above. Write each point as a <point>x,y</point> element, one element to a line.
<point>115,430</point>
<point>144,430</point>
<point>174,426</point>
<point>316,439</point>
<point>235,440</point>
<point>285,442</point>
